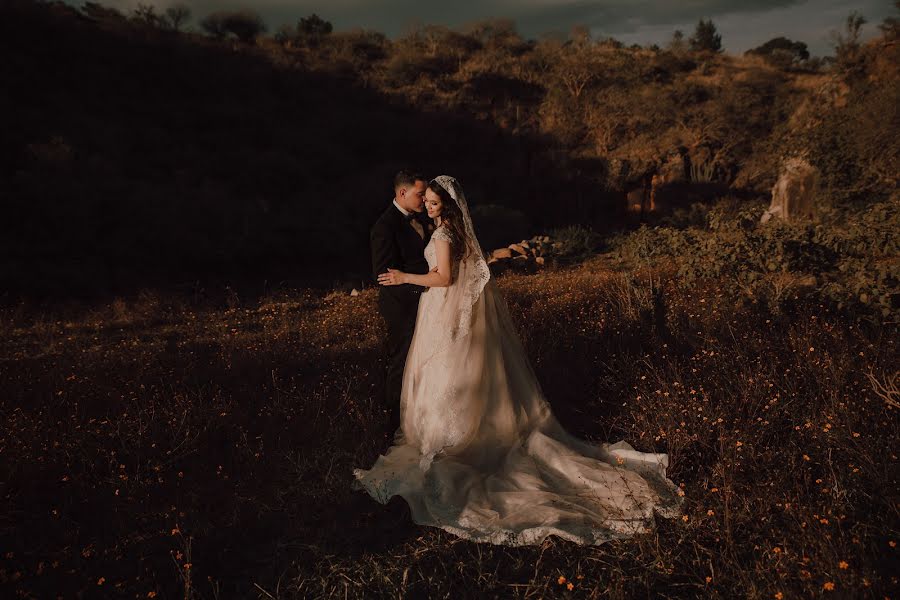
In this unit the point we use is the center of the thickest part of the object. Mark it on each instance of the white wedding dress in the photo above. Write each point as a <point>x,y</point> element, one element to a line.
<point>479,452</point>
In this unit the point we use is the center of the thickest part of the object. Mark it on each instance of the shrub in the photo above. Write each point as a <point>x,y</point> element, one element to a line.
<point>574,242</point>
<point>849,262</point>
<point>706,38</point>
<point>244,25</point>
<point>781,51</point>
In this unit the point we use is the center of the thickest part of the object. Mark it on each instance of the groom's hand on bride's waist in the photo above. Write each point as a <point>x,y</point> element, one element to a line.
<point>392,277</point>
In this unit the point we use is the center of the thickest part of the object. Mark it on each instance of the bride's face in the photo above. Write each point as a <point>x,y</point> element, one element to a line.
<point>433,204</point>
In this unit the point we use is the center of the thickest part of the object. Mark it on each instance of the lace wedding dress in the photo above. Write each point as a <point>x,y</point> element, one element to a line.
<point>479,452</point>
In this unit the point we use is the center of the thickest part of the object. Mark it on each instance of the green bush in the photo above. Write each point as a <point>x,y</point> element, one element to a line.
<point>848,261</point>
<point>574,242</point>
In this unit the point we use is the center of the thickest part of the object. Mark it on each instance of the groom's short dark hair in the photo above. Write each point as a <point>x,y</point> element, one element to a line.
<point>406,177</point>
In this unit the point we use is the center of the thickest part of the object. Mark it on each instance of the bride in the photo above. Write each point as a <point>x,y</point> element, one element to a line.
<point>479,452</point>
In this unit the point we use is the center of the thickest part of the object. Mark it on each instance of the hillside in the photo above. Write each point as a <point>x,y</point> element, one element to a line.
<point>140,157</point>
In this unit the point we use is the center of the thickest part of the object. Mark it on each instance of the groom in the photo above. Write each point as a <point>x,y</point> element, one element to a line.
<point>398,241</point>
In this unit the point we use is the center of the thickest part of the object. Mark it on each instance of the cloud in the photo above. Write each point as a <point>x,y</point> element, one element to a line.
<point>533,16</point>
<point>811,22</point>
<point>625,16</point>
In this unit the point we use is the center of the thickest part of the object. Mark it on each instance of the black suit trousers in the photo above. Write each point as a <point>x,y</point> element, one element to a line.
<point>401,324</point>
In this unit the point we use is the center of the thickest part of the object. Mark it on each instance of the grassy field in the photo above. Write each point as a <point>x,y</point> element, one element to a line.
<point>164,447</point>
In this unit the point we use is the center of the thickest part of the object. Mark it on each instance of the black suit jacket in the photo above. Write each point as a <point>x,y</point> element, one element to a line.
<point>396,244</point>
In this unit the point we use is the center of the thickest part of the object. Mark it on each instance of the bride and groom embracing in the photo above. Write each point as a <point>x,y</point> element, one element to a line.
<point>477,450</point>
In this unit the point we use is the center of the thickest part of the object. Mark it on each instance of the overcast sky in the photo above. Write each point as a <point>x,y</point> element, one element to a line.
<point>743,24</point>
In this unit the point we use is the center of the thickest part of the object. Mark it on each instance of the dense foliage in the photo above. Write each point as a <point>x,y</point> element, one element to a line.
<point>164,157</point>
<point>849,259</point>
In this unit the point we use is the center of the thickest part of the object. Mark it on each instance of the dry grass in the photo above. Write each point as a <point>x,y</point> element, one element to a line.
<point>154,446</point>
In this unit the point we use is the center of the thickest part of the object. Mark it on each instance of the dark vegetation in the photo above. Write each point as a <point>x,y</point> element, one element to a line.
<point>143,154</point>
<point>201,451</point>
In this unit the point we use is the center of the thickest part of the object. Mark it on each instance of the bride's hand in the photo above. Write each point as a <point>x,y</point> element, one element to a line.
<point>392,277</point>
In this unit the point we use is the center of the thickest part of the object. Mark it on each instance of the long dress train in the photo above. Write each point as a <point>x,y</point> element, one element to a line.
<point>479,452</point>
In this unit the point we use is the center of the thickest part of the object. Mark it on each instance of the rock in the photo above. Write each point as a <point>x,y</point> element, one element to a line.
<point>526,256</point>
<point>354,292</point>
<point>794,192</point>
<point>807,281</point>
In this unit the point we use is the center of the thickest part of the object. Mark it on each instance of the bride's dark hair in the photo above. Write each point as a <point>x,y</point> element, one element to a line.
<point>452,219</point>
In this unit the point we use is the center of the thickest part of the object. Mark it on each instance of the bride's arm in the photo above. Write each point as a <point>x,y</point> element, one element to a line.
<point>438,277</point>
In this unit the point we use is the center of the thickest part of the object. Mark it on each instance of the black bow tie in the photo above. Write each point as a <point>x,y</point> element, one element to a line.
<point>412,216</point>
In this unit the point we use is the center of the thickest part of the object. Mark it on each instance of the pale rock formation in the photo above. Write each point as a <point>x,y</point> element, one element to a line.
<point>794,194</point>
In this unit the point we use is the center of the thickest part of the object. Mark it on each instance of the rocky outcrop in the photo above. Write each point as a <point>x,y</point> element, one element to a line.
<point>527,255</point>
<point>794,194</point>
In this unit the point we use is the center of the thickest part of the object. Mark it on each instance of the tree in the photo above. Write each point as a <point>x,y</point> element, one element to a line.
<point>705,38</point>
<point>145,14</point>
<point>495,34</point>
<point>432,35</point>
<point>577,67</point>
<point>214,25</point>
<point>460,46</point>
<point>312,30</point>
<point>781,51</point>
<point>356,52</point>
<point>99,12</point>
<point>677,45</point>
<point>580,34</point>
<point>611,42</point>
<point>890,27</point>
<point>178,15</point>
<point>580,66</point>
<point>846,43</point>
<point>314,25</point>
<point>244,24</point>
<point>285,34</point>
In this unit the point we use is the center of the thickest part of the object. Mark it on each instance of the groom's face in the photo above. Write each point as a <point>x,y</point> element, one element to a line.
<point>412,197</point>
